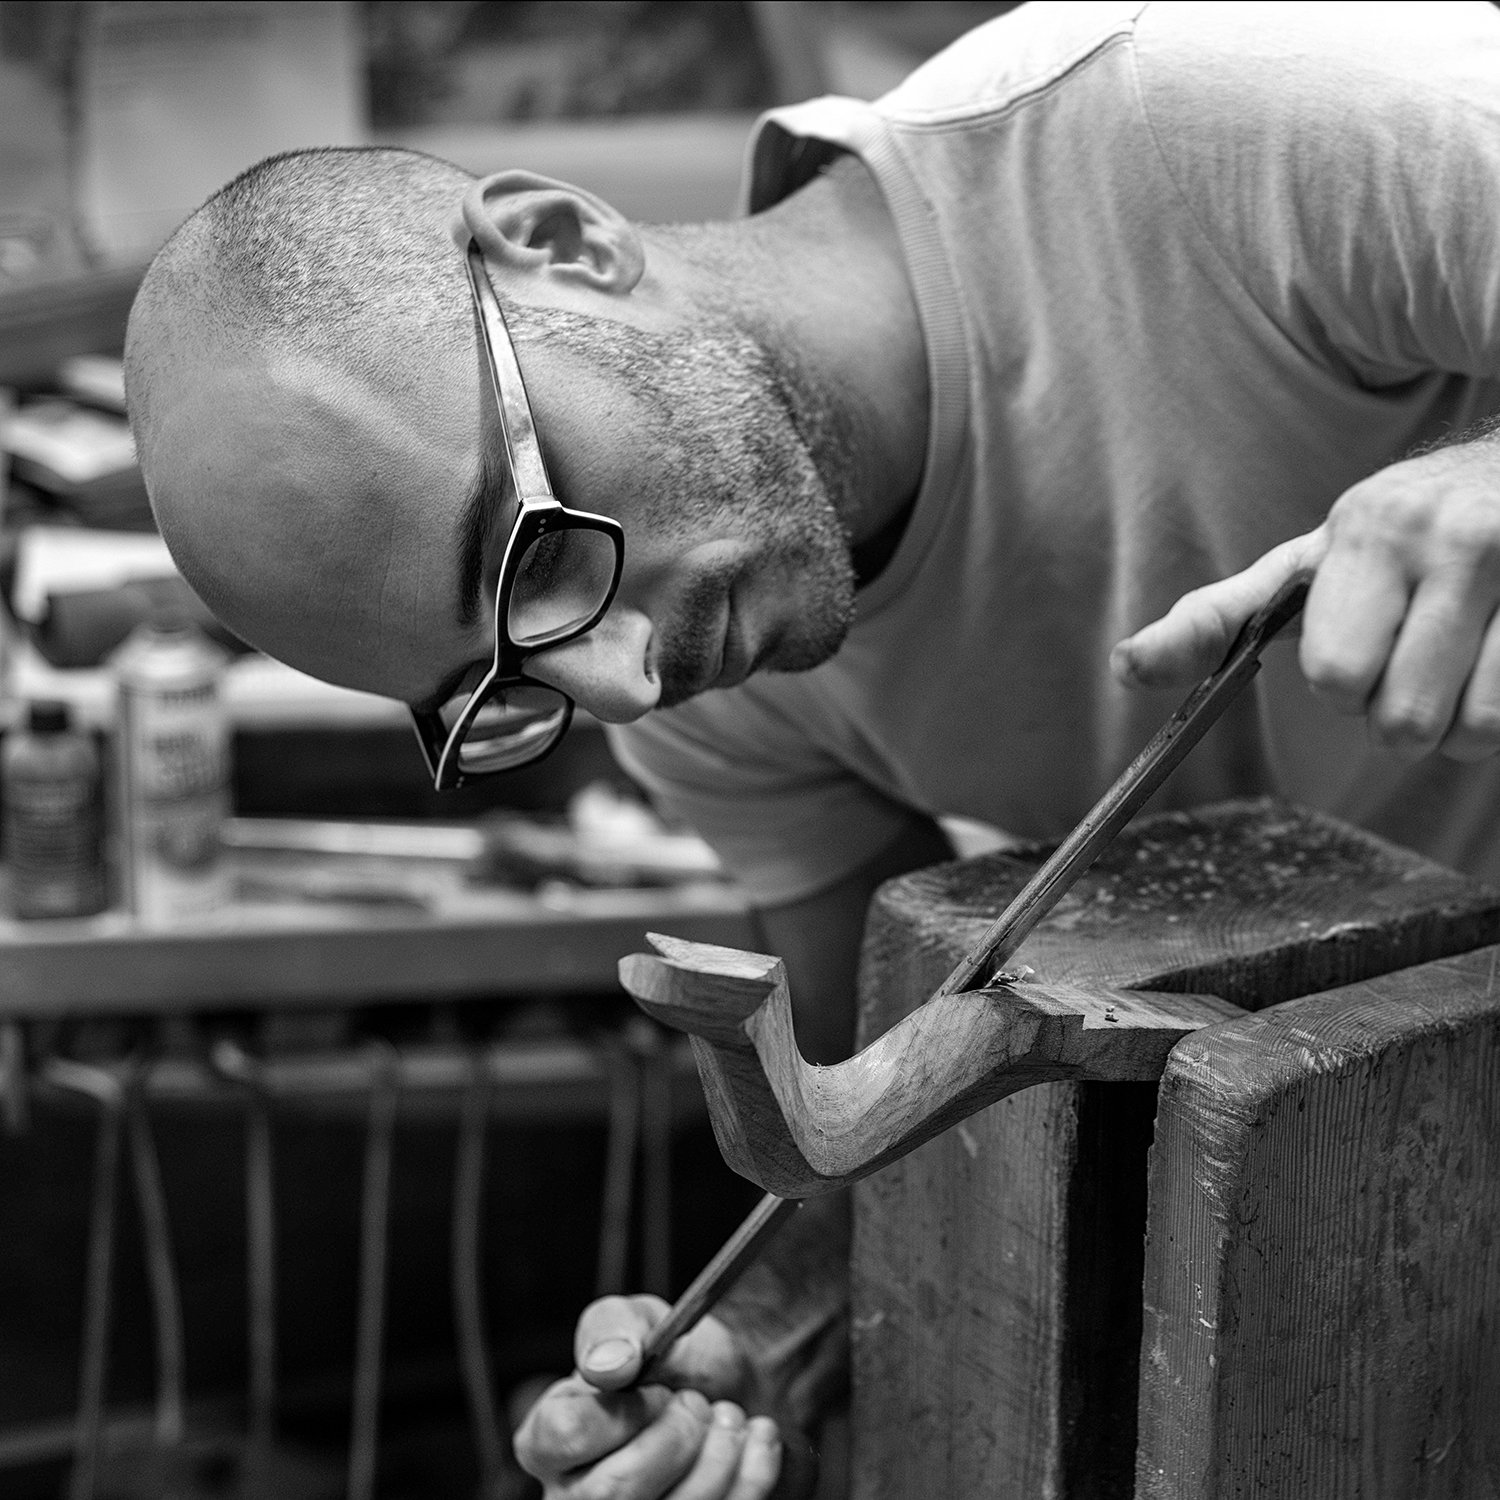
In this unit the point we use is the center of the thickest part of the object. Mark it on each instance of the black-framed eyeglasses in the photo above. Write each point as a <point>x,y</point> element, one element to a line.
<point>558,574</point>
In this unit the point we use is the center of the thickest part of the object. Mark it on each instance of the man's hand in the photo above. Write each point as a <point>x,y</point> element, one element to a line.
<point>689,1437</point>
<point>1400,623</point>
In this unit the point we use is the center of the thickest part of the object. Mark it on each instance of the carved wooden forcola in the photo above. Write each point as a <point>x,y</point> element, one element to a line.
<point>798,1129</point>
<point>1194,918</point>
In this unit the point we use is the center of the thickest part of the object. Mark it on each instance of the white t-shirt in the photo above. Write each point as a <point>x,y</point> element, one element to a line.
<point>1185,274</point>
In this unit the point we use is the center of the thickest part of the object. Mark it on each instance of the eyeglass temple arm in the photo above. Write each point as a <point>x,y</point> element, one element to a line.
<point>522,449</point>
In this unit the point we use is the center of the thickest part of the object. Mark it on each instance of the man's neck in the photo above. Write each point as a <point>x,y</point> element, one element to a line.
<point>821,281</point>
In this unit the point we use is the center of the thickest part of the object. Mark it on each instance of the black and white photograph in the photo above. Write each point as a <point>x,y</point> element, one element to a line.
<point>749,750</point>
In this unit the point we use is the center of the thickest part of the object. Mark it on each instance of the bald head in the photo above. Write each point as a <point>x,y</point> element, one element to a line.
<point>318,435</point>
<point>290,366</point>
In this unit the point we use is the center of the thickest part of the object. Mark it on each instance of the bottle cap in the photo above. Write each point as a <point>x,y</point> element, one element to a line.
<point>48,716</point>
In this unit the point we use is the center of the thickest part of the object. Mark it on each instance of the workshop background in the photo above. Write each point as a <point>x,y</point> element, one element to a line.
<point>306,1177</point>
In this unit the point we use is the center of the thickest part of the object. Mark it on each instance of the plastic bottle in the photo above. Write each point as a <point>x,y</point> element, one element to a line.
<point>52,794</point>
<point>173,743</point>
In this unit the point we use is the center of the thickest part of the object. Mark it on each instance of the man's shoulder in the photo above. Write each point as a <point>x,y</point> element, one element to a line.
<point>1010,59</point>
<point>1325,62</point>
<point>1305,139</point>
<point>1206,62</point>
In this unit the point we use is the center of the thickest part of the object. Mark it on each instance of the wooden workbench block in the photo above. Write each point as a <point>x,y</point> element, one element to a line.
<point>1322,1281</point>
<point>997,1270</point>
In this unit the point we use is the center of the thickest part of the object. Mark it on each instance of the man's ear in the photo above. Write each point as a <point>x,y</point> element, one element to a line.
<point>533,224</point>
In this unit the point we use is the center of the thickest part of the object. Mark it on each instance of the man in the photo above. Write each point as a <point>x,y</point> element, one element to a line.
<point>1107,305</point>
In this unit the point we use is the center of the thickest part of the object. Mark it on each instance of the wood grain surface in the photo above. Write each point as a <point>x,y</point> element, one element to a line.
<point>997,1269</point>
<point>1322,1278</point>
<point>797,1129</point>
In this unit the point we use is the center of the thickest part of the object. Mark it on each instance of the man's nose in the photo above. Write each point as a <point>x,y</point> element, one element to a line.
<point>609,672</point>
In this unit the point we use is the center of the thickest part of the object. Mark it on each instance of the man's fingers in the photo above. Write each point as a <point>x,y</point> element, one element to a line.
<point>573,1426</point>
<point>1398,623</point>
<point>1350,624</point>
<point>610,1336</point>
<point>654,1462</point>
<point>1414,701</point>
<point>718,1460</point>
<point>760,1461</point>
<point>739,1459</point>
<point>1190,640</point>
<point>708,1358</point>
<point>1475,731</point>
<point>1175,648</point>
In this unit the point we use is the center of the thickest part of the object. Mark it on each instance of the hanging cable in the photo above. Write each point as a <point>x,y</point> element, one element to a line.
<point>623,1133</point>
<point>161,1267</point>
<point>375,1211</point>
<point>241,1068</point>
<point>656,1142</point>
<point>260,1267</point>
<point>104,1090</point>
<point>468,1296</point>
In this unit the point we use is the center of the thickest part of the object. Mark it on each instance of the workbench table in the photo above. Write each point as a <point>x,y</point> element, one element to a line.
<point>468,942</point>
<point>1277,1273</point>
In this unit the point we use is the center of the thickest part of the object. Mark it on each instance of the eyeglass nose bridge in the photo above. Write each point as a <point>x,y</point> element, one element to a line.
<point>533,733</point>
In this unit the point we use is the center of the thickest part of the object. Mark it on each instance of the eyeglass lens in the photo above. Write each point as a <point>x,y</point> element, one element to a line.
<point>515,725</point>
<point>563,581</point>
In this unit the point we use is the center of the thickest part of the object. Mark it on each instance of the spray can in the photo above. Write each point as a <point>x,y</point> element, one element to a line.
<point>173,743</point>
<point>52,790</point>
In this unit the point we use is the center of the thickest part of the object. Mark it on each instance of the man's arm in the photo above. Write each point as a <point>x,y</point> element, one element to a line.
<point>1361,221</point>
<point>758,1379</point>
<point>1400,623</point>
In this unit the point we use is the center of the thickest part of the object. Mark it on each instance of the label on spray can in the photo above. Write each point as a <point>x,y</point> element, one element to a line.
<point>174,772</point>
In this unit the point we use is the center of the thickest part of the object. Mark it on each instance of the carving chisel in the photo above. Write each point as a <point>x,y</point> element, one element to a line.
<point>1006,933</point>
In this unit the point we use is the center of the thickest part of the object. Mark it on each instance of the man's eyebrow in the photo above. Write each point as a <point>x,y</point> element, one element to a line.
<point>476,518</point>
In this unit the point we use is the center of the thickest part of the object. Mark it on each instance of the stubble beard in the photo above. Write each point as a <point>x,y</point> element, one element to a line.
<point>736,429</point>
